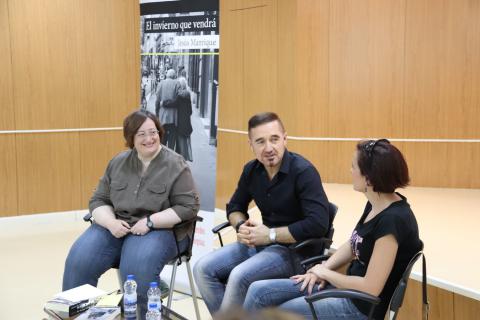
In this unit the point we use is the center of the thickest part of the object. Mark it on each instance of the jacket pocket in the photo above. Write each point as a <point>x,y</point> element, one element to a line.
<point>158,188</point>
<point>118,185</point>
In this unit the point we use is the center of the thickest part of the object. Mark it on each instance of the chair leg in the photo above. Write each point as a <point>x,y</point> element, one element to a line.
<point>120,280</point>
<point>312,309</point>
<point>192,288</point>
<point>172,284</point>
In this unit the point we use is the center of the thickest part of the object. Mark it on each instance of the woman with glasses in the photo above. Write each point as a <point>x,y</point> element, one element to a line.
<point>144,189</point>
<point>379,249</point>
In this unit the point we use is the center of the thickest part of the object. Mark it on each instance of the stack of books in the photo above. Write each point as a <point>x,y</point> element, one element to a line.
<point>74,301</point>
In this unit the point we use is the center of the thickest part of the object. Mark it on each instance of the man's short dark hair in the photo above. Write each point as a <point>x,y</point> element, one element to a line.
<point>262,118</point>
<point>134,121</point>
<point>383,165</point>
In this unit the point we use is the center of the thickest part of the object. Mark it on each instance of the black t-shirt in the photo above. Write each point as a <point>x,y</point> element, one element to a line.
<point>397,220</point>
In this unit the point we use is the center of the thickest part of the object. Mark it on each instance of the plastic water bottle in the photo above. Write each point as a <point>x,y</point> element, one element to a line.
<point>153,295</point>
<point>130,298</point>
<point>153,313</point>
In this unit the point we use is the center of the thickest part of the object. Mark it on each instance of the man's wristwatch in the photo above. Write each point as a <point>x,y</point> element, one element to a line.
<point>239,223</point>
<point>149,223</point>
<point>273,235</point>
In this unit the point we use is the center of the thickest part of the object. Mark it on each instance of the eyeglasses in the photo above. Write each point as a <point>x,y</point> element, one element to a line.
<point>368,147</point>
<point>143,134</point>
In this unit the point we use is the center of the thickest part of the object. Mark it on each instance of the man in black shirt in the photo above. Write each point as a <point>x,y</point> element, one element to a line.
<point>289,193</point>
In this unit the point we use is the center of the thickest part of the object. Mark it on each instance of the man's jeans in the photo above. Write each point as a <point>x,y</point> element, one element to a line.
<point>287,295</point>
<point>97,250</point>
<point>223,276</point>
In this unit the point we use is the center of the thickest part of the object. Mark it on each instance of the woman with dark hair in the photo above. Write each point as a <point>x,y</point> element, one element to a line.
<point>379,249</point>
<point>144,190</point>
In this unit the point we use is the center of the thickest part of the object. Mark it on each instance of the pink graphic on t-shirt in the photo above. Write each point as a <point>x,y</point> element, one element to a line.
<point>355,240</point>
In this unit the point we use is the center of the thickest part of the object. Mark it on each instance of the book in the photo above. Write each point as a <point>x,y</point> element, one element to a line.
<point>74,301</point>
<point>100,313</point>
<point>110,300</point>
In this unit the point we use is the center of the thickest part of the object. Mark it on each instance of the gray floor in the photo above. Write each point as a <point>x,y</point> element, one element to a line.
<point>33,250</point>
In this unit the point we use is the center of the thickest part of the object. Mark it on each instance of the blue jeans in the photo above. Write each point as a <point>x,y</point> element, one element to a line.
<point>223,276</point>
<point>287,295</point>
<point>97,250</point>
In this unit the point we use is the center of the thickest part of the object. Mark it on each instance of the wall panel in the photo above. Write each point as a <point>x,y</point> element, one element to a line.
<point>8,180</point>
<point>249,71</point>
<point>7,118</point>
<point>48,172</point>
<point>441,303</point>
<point>231,73</point>
<point>232,154</point>
<point>366,68</point>
<point>311,70</point>
<point>466,308</point>
<point>96,150</point>
<point>45,54</point>
<point>453,165</point>
<point>284,64</point>
<point>397,69</point>
<point>110,75</point>
<point>75,63</point>
<point>65,64</point>
<point>333,160</point>
<point>442,69</point>
<point>260,61</point>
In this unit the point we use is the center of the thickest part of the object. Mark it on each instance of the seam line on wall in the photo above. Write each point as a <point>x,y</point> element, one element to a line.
<point>362,138</point>
<point>60,130</point>
<point>248,8</point>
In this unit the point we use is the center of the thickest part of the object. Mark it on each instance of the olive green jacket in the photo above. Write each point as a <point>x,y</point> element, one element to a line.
<point>167,183</point>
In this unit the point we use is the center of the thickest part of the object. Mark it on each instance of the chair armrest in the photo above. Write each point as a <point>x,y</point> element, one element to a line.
<point>311,242</point>
<point>343,293</point>
<point>88,217</point>
<point>221,226</point>
<point>313,260</point>
<point>187,222</point>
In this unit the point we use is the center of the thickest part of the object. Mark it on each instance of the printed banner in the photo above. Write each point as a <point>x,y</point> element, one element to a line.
<point>179,83</point>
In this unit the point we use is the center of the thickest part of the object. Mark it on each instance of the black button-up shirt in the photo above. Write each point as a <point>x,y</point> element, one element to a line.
<point>293,198</point>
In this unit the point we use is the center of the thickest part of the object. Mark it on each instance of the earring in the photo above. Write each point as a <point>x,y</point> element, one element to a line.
<point>366,185</point>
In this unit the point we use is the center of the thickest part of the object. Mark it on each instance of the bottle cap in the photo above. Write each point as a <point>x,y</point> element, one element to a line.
<point>153,284</point>
<point>130,277</point>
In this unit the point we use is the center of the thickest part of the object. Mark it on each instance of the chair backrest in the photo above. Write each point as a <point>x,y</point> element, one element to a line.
<point>332,213</point>
<point>317,246</point>
<point>398,295</point>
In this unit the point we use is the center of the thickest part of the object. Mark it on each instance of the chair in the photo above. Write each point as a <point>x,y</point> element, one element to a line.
<point>395,302</point>
<point>182,256</point>
<point>321,245</point>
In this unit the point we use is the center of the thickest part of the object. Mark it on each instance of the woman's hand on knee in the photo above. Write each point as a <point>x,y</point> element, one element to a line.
<point>118,228</point>
<point>308,281</point>
<point>140,228</point>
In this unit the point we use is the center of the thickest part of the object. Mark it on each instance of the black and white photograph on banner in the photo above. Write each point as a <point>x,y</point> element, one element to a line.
<point>179,82</point>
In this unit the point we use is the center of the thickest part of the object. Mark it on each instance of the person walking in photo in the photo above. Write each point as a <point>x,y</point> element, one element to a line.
<point>167,113</point>
<point>183,103</point>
